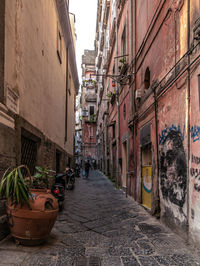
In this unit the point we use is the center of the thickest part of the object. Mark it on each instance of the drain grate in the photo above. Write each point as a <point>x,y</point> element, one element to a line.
<point>87,261</point>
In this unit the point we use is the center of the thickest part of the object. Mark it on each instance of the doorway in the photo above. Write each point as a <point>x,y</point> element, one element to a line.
<point>146,155</point>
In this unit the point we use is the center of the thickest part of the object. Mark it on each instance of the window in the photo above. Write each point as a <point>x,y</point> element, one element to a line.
<point>123,42</point>
<point>147,79</point>
<point>113,128</point>
<point>91,110</point>
<point>59,45</point>
<point>28,153</point>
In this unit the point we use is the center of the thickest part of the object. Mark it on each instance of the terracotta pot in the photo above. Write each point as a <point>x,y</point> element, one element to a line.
<point>32,226</point>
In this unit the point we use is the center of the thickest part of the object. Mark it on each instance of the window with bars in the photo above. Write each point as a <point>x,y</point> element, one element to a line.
<point>28,153</point>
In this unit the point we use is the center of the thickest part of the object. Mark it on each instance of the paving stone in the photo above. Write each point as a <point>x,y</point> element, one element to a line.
<point>130,261</point>
<point>148,261</point>
<point>119,251</point>
<point>165,260</point>
<point>143,247</point>
<point>43,260</point>
<point>111,261</point>
<point>182,259</point>
<point>12,257</point>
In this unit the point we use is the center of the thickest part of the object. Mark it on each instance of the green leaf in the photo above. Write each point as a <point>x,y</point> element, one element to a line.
<point>37,175</point>
<point>9,180</point>
<point>17,194</point>
<point>25,195</point>
<point>21,177</point>
<point>39,169</point>
<point>15,179</point>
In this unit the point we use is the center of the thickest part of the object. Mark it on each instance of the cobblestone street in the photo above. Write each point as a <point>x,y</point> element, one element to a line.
<point>100,226</point>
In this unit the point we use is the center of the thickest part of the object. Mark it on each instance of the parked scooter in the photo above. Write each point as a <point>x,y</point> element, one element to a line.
<point>70,179</point>
<point>58,189</point>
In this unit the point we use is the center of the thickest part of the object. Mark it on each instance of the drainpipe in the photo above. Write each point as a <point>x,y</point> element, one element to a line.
<point>157,207</point>
<point>134,102</point>
<point>175,37</point>
<point>130,52</point>
<point>117,100</point>
<point>188,109</point>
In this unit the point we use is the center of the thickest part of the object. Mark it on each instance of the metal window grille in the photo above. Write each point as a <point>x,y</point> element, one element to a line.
<point>28,153</point>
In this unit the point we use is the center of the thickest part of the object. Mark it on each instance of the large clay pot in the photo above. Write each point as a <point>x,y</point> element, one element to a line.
<point>32,226</point>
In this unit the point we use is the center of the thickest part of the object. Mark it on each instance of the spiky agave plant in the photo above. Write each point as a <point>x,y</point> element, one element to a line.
<point>14,187</point>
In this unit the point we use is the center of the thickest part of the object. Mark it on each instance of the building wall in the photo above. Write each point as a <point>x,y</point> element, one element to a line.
<point>164,120</point>
<point>69,143</point>
<point>35,83</point>
<point>32,67</point>
<point>194,185</point>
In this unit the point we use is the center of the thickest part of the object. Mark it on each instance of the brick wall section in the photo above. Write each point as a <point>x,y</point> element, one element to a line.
<point>10,154</point>
<point>7,148</point>
<point>7,158</point>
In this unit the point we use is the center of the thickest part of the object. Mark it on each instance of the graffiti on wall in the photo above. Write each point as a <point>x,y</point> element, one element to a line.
<point>195,172</point>
<point>173,166</point>
<point>195,133</point>
<point>167,130</point>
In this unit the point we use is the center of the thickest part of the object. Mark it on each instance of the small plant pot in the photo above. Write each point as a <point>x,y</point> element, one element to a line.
<point>31,226</point>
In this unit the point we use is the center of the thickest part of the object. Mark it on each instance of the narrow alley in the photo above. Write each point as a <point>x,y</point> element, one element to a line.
<point>100,226</point>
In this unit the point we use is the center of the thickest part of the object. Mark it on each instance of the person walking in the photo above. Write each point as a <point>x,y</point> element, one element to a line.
<point>87,168</point>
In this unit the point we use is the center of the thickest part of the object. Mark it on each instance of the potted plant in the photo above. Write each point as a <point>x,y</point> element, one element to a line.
<point>42,177</point>
<point>31,213</point>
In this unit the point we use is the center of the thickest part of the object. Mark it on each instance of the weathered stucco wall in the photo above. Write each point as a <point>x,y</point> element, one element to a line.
<point>33,69</point>
<point>69,144</point>
<point>194,179</point>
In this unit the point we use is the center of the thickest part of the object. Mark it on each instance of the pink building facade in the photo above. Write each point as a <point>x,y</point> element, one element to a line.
<point>153,110</point>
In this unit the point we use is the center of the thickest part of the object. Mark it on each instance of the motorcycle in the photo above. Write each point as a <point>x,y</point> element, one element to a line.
<point>70,179</point>
<point>58,189</point>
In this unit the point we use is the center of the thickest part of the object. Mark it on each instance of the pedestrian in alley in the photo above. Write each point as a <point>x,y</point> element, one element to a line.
<point>87,168</point>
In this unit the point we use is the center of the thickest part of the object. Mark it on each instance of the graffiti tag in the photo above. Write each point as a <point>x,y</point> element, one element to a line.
<point>167,130</point>
<point>195,172</point>
<point>197,187</point>
<point>195,133</point>
<point>195,159</point>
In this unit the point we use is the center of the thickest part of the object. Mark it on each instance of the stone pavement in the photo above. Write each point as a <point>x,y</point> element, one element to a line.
<point>100,226</point>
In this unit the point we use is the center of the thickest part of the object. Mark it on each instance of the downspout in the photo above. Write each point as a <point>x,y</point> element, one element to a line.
<point>175,38</point>
<point>188,109</point>
<point>128,175</point>
<point>117,101</point>
<point>134,104</point>
<point>157,202</point>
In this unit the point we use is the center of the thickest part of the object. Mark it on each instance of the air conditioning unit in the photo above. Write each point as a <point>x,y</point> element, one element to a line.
<point>138,94</point>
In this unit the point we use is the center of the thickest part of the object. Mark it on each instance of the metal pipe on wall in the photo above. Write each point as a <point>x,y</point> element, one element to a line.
<point>117,99</point>
<point>188,109</point>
